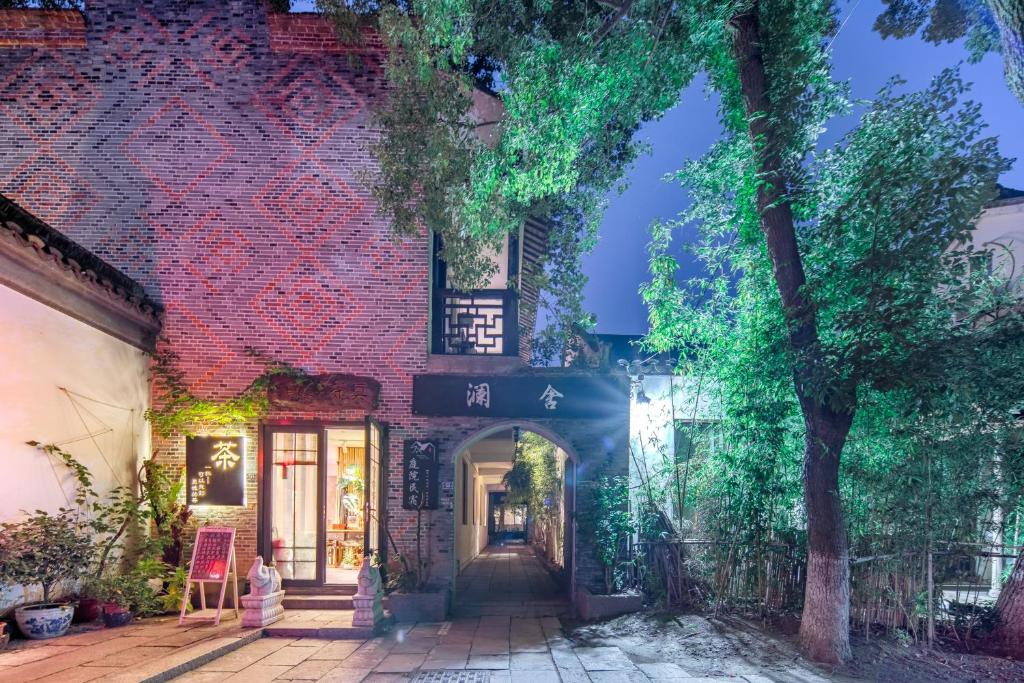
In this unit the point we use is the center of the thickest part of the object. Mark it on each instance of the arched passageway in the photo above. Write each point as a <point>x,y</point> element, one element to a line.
<point>514,523</point>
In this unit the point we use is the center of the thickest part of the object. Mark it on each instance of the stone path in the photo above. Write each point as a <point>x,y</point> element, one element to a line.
<point>508,579</point>
<point>489,649</point>
<point>130,653</point>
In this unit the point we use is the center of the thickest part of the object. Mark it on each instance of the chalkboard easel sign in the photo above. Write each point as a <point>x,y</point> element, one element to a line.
<point>419,475</point>
<point>213,561</point>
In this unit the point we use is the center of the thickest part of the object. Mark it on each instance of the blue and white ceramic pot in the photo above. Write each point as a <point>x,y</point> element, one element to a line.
<point>48,620</point>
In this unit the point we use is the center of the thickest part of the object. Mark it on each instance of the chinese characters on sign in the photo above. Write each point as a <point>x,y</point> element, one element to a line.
<point>212,553</point>
<point>215,470</point>
<point>550,397</point>
<point>419,475</point>
<point>546,395</point>
<point>478,394</point>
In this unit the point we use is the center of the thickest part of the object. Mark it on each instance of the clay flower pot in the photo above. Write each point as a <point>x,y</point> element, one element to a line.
<point>114,615</point>
<point>47,620</point>
<point>89,609</point>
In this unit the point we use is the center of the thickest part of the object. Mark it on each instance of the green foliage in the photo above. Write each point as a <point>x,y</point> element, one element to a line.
<point>177,409</point>
<point>574,80</point>
<point>534,481</point>
<point>45,549</point>
<point>605,522</point>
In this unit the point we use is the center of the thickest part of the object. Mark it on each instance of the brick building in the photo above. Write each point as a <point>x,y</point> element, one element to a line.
<point>213,152</point>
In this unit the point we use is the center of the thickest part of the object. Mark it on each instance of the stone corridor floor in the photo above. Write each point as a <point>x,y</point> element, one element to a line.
<point>488,649</point>
<point>508,579</point>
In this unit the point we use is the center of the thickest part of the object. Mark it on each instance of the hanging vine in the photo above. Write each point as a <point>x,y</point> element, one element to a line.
<point>177,409</point>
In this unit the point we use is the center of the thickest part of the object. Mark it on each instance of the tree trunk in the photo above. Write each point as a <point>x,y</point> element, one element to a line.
<point>824,628</point>
<point>1009,17</point>
<point>1009,630</point>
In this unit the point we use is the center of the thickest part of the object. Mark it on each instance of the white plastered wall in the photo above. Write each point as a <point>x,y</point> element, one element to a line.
<point>471,538</point>
<point>66,383</point>
<point>1001,229</point>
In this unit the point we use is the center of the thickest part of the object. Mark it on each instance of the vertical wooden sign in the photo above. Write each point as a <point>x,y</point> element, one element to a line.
<point>419,475</point>
<point>213,561</point>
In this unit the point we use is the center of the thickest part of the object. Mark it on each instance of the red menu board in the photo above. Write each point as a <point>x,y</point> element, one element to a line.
<point>212,554</point>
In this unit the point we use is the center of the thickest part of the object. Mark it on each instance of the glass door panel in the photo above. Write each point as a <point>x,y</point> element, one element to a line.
<point>294,490</point>
<point>373,500</point>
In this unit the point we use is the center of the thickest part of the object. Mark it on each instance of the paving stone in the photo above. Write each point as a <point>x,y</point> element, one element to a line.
<point>573,675</point>
<point>385,678</point>
<point>246,656</point>
<point>288,656</point>
<point>345,676</point>
<point>28,655</point>
<point>202,677</point>
<point>400,663</point>
<point>489,647</point>
<point>311,669</point>
<point>77,675</point>
<point>617,676</point>
<point>257,673</point>
<point>337,649</point>
<point>488,662</point>
<point>531,661</point>
<point>663,671</point>
<point>415,645</point>
<point>132,656</point>
<point>603,659</point>
<point>311,642</point>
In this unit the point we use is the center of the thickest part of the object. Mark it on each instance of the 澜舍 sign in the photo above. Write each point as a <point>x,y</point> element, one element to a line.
<point>542,395</point>
<point>419,475</point>
<point>215,470</point>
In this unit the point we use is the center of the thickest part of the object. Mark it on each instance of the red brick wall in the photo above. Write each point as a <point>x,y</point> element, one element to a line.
<point>214,154</point>
<point>216,157</point>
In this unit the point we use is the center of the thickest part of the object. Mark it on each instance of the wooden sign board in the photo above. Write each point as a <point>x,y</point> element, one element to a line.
<point>537,395</point>
<point>213,561</point>
<point>215,470</point>
<point>419,475</point>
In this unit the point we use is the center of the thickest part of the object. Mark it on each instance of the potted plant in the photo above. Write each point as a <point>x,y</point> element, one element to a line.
<point>411,598</point>
<point>127,595</point>
<point>44,550</point>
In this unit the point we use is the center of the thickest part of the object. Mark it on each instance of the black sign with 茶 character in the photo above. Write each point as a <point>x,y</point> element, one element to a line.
<point>215,470</point>
<point>419,475</point>
<point>541,395</point>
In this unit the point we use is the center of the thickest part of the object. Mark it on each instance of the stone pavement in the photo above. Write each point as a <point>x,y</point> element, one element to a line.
<point>508,579</point>
<point>488,649</point>
<point>136,652</point>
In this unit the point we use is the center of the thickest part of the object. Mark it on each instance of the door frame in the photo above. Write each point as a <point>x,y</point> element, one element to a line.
<point>264,544</point>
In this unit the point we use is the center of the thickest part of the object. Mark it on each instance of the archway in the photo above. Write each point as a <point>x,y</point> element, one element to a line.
<point>514,522</point>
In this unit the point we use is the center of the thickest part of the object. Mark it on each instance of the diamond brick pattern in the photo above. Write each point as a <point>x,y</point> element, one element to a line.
<point>216,253</point>
<point>307,305</point>
<point>177,148</point>
<point>308,102</point>
<point>308,202</point>
<point>44,100</point>
<point>51,188</point>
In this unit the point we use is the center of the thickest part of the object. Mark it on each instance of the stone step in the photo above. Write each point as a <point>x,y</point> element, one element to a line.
<point>340,589</point>
<point>317,601</point>
<point>326,624</point>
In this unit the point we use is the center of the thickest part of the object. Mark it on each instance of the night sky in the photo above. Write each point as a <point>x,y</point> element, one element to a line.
<point>618,265</point>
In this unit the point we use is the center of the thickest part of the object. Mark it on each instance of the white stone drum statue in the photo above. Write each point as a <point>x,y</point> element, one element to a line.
<point>263,603</point>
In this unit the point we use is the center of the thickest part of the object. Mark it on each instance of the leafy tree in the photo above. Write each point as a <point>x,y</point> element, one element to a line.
<point>987,25</point>
<point>851,245</point>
